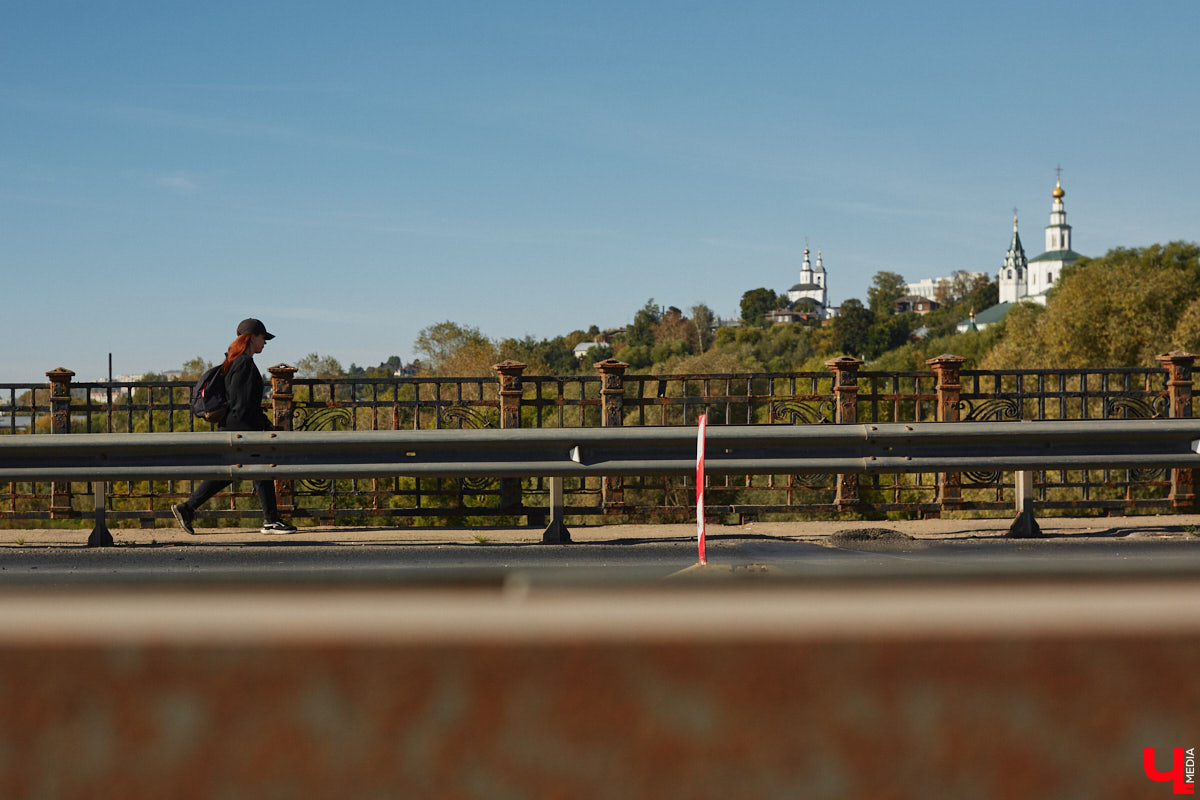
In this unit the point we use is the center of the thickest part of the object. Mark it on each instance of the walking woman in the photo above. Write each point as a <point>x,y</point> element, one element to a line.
<point>244,386</point>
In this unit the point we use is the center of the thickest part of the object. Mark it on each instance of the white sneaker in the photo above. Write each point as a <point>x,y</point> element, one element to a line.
<point>277,527</point>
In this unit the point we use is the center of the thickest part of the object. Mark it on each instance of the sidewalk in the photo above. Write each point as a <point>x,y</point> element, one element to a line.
<point>1159,527</point>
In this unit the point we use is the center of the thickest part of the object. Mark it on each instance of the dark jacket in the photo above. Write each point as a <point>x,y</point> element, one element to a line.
<point>244,385</point>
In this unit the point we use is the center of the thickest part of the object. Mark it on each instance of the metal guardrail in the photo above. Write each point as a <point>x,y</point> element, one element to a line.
<point>565,452</point>
<point>843,393</point>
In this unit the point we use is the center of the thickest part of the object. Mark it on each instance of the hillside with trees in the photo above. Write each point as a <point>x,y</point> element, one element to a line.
<point>1122,309</point>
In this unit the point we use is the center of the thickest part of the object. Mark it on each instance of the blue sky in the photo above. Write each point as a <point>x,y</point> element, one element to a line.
<point>352,173</point>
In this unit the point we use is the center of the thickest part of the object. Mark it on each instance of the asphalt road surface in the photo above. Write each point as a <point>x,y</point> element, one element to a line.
<point>854,553</point>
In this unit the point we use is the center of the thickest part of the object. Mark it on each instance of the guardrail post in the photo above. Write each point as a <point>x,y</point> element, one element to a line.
<point>612,415</point>
<point>60,422</point>
<point>845,402</point>
<point>509,375</point>
<point>282,405</point>
<point>100,536</point>
<point>1179,367</point>
<point>949,388</point>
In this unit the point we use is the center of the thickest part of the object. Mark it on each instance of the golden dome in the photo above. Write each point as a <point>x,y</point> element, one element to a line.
<point>1058,191</point>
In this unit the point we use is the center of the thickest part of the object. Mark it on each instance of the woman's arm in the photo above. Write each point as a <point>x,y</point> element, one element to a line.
<point>244,386</point>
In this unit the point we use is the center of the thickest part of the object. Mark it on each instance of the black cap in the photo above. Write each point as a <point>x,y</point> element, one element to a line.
<point>254,327</point>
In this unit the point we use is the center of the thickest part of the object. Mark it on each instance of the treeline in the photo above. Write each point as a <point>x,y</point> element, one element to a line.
<point>1122,309</point>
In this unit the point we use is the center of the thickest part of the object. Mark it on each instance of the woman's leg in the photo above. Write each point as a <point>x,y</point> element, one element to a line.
<point>266,497</point>
<point>184,512</point>
<point>203,493</point>
<point>271,521</point>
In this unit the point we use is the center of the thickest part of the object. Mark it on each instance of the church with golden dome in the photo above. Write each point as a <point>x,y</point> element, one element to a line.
<point>1030,279</point>
<point>812,288</point>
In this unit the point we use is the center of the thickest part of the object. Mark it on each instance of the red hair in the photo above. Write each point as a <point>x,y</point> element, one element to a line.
<point>240,345</point>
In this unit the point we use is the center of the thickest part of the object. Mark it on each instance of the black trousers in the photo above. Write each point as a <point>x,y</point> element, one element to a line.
<point>266,496</point>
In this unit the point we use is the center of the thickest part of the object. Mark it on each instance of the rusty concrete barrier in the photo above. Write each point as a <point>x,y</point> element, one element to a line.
<point>816,692</point>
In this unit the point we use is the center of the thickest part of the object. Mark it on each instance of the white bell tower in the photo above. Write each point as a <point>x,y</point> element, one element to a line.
<point>1014,273</point>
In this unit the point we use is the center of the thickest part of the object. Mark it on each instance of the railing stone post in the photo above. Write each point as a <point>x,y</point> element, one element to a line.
<point>949,390</point>
<point>282,406</point>
<point>60,422</point>
<point>1179,366</point>
<point>612,415</point>
<point>282,398</point>
<point>509,375</point>
<point>845,402</point>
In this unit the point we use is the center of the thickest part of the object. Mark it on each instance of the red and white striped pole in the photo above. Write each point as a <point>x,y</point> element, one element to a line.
<point>700,486</point>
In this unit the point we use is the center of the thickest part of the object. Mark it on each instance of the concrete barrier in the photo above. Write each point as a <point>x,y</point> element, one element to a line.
<point>838,691</point>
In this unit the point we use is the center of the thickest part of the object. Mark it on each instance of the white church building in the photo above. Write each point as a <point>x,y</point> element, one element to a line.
<point>812,287</point>
<point>1030,279</point>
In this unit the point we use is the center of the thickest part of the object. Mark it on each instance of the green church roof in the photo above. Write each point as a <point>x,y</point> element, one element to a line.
<point>990,316</point>
<point>1058,255</point>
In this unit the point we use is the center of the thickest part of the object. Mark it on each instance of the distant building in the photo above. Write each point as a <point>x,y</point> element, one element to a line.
<point>583,348</point>
<point>812,286</point>
<point>782,315</point>
<point>1028,280</point>
<point>1022,279</point>
<point>119,393</point>
<point>928,287</point>
<point>101,395</point>
<point>984,319</point>
<point>917,303</point>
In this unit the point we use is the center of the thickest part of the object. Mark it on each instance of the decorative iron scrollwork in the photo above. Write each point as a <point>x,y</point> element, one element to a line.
<point>806,412</point>
<point>327,418</point>
<point>1135,407</point>
<point>996,409</point>
<point>801,412</point>
<point>815,480</point>
<point>473,417</point>
<point>470,417</point>
<point>981,478</point>
<point>1139,408</point>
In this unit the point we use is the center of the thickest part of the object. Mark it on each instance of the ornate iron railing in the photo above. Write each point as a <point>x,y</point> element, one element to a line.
<point>844,394</point>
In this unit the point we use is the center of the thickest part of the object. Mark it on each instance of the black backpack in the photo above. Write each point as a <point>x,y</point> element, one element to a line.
<point>209,400</point>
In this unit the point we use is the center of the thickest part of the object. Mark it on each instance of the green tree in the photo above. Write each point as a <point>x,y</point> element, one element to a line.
<point>757,303</point>
<point>984,295</point>
<point>636,356</point>
<point>889,331</point>
<point>1120,310</point>
<point>1017,348</point>
<point>852,328</point>
<point>194,368</point>
<point>641,332</point>
<point>544,357</point>
<point>705,321</point>
<point>1186,335</point>
<point>450,349</point>
<point>314,365</point>
<point>886,288</point>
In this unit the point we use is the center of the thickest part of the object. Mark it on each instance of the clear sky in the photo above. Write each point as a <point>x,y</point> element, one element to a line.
<point>352,173</point>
